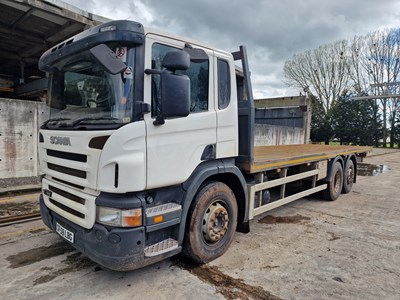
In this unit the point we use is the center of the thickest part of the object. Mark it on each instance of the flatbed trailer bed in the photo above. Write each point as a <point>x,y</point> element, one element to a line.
<point>311,158</point>
<point>273,157</point>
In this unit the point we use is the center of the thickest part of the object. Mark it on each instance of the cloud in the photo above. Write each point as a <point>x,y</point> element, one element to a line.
<point>273,30</point>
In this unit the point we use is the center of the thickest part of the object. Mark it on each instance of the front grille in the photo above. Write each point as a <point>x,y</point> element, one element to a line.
<point>67,195</point>
<point>67,155</point>
<point>67,209</point>
<point>69,183</point>
<point>71,203</point>
<point>68,171</point>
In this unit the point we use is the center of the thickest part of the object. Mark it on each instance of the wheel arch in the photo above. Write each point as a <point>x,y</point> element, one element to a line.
<point>234,183</point>
<point>224,171</point>
<point>339,159</point>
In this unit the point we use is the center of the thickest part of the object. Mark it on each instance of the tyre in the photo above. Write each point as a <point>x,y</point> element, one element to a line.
<point>334,188</point>
<point>348,179</point>
<point>211,222</point>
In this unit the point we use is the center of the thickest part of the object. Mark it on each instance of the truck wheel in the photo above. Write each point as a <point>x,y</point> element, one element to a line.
<point>348,177</point>
<point>335,185</point>
<point>212,221</point>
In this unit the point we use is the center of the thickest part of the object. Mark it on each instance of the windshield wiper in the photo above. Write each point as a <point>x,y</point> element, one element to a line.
<point>54,120</point>
<point>79,121</point>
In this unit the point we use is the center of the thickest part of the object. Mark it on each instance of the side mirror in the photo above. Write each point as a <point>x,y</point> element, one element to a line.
<point>108,59</point>
<point>175,95</point>
<point>175,87</point>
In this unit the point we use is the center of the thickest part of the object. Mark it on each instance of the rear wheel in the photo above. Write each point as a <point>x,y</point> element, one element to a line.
<point>349,174</point>
<point>212,221</point>
<point>335,185</point>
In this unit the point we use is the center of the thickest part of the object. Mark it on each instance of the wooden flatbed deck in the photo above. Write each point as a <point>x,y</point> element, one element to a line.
<point>273,157</point>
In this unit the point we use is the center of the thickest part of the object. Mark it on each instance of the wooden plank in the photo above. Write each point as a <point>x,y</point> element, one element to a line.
<point>273,157</point>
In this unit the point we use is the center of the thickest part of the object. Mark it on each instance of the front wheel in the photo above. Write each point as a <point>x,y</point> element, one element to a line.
<point>212,221</point>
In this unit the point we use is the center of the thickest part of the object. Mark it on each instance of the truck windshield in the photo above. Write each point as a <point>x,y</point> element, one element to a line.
<point>82,95</point>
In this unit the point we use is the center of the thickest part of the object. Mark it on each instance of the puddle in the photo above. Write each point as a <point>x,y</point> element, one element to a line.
<point>268,219</point>
<point>29,257</point>
<point>231,288</point>
<point>75,262</point>
<point>364,169</point>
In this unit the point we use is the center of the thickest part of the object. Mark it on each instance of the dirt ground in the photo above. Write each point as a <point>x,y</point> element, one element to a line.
<point>308,249</point>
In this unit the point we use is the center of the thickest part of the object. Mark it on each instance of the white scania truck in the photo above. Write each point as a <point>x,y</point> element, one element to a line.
<point>149,149</point>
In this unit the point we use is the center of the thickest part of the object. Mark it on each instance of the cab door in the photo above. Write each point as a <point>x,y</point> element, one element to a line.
<point>177,147</point>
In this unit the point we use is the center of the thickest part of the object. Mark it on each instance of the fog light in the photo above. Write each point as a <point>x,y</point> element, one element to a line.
<point>119,217</point>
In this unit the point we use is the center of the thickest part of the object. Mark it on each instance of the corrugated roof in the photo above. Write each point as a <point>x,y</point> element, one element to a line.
<point>29,27</point>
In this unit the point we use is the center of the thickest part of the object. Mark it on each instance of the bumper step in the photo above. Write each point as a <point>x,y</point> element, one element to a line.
<point>161,248</point>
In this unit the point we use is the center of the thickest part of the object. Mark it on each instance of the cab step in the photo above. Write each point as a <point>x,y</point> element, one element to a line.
<point>161,247</point>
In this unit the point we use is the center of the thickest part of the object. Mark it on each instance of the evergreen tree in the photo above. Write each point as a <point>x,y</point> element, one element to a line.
<point>321,128</point>
<point>354,123</point>
<point>395,132</point>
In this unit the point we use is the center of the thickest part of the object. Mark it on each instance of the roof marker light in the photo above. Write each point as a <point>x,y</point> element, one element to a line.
<point>108,28</point>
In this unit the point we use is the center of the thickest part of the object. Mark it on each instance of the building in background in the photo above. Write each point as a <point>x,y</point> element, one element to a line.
<point>27,29</point>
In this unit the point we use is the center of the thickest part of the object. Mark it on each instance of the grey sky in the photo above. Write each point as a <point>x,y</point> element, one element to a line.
<point>272,30</point>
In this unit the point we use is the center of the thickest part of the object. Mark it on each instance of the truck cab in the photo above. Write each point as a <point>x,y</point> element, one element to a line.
<point>122,162</point>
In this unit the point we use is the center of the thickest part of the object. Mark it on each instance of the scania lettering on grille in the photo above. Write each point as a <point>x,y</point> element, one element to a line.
<point>60,140</point>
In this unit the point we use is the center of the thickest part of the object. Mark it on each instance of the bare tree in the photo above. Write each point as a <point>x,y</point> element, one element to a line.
<point>322,71</point>
<point>380,59</point>
<point>360,77</point>
<point>367,65</point>
<point>357,72</point>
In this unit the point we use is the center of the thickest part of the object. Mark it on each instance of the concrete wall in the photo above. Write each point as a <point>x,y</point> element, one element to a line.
<point>19,123</point>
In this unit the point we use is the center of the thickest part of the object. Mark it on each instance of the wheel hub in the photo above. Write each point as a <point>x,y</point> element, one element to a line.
<point>337,185</point>
<point>350,176</point>
<point>215,222</point>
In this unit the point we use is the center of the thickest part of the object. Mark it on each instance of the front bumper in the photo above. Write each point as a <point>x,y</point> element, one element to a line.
<point>119,249</point>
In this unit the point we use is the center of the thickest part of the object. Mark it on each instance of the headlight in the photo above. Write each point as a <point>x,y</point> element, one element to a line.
<point>119,217</point>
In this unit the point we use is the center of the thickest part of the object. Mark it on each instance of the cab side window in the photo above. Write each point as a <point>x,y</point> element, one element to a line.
<point>198,73</point>
<point>224,84</point>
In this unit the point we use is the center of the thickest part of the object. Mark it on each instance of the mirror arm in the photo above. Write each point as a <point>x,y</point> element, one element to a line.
<point>159,121</point>
<point>152,71</point>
